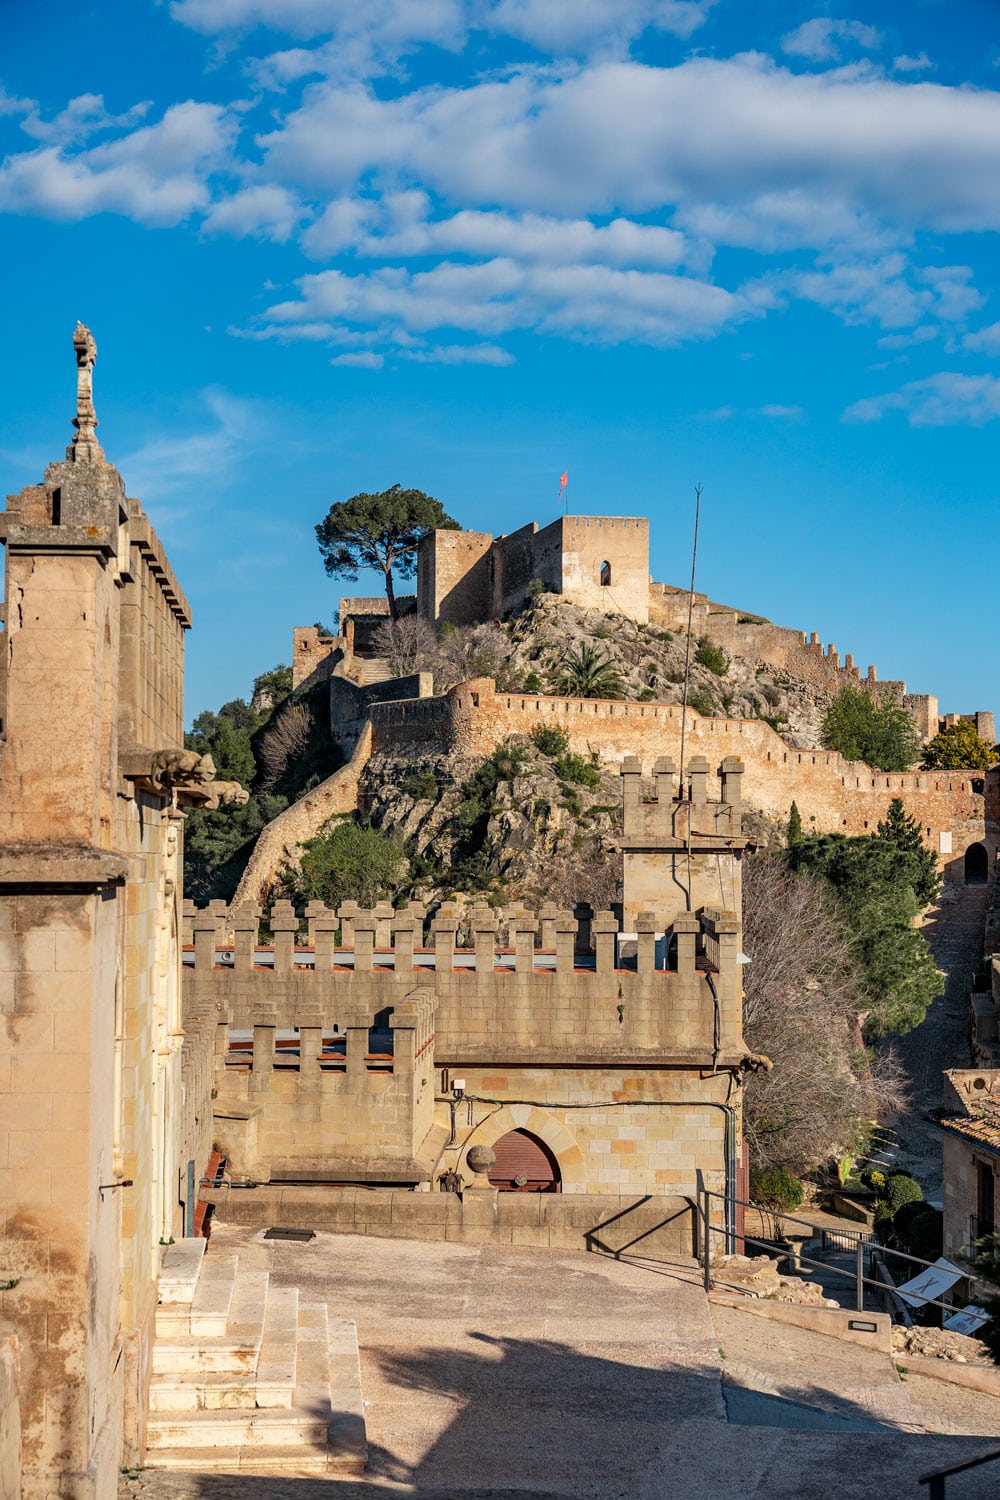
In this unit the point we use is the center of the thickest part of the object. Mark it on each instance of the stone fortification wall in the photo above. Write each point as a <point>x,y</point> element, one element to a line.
<point>632,1061</point>
<point>662,1226</point>
<point>284,836</point>
<point>783,649</point>
<point>351,703</point>
<point>488,1010</point>
<point>314,655</point>
<point>455,577</point>
<point>465,577</point>
<point>833,795</point>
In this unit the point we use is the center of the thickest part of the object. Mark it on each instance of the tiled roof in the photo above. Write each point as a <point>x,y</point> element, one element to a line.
<point>981,1129</point>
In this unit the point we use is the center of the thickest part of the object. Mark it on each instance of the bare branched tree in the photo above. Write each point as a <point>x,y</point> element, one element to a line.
<point>284,742</point>
<point>803,995</point>
<point>408,645</point>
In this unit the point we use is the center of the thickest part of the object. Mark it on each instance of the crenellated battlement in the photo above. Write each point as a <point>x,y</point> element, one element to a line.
<point>526,985</point>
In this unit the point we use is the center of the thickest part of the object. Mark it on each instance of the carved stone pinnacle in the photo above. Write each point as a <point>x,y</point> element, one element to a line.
<point>85,448</point>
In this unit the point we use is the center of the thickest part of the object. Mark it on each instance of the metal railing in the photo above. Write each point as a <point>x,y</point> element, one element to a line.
<point>864,1250</point>
<point>935,1480</point>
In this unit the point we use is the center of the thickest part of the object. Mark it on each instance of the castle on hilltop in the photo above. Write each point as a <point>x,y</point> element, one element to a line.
<point>398,1072</point>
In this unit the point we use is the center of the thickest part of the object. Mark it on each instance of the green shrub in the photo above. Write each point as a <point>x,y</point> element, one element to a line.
<point>902,1189</point>
<point>550,741</point>
<point>532,683</point>
<point>648,695</point>
<point>919,1228</point>
<point>352,863</point>
<point>702,702</point>
<point>776,1188</point>
<point>421,785</point>
<point>573,767</point>
<point>863,727</point>
<point>873,1177</point>
<point>712,656</point>
<point>665,635</point>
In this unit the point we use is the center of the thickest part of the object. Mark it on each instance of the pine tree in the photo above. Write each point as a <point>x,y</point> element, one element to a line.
<point>903,832</point>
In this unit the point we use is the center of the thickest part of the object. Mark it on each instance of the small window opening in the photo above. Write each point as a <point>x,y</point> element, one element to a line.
<point>605,575</point>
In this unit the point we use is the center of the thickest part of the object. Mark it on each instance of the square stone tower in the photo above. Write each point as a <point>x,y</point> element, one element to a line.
<point>681,851</point>
<point>91,1119</point>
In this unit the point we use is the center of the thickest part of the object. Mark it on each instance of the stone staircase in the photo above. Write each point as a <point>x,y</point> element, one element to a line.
<point>245,1376</point>
<point>374,669</point>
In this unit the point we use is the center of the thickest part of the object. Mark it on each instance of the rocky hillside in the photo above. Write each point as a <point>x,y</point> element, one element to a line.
<point>532,650</point>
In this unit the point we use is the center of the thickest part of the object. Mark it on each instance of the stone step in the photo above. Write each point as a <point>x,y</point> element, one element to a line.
<point>292,1428</point>
<point>288,1463</point>
<point>213,1297</point>
<point>238,1347</point>
<point>180,1268</point>
<point>276,1363</point>
<point>221,1390</point>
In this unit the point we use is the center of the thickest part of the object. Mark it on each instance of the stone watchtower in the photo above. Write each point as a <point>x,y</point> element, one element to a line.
<point>92,1123</point>
<point>681,851</point>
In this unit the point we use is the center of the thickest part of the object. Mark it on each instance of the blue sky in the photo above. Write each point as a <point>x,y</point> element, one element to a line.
<point>467,244</point>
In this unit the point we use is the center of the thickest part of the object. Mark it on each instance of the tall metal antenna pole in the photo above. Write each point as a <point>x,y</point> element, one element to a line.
<point>687,653</point>
<point>687,677</point>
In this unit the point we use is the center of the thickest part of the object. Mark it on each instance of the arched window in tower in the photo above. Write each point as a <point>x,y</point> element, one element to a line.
<point>605,575</point>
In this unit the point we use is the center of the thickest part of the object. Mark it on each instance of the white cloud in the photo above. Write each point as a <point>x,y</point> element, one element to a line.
<point>906,64</point>
<point>589,303</point>
<point>571,26</point>
<point>155,175</point>
<point>772,411</point>
<point>267,210</point>
<point>369,35</point>
<point>167,465</point>
<point>822,39</point>
<point>947,399</point>
<point>83,116</point>
<point>364,359</point>
<point>889,292</point>
<point>623,138</point>
<point>10,104</point>
<point>397,225</point>
<point>984,340</point>
<point>459,354</point>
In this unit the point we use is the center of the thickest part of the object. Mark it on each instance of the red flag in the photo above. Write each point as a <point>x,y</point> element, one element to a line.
<point>564,480</point>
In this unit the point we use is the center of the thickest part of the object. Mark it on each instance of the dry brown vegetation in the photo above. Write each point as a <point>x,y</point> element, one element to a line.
<point>803,995</point>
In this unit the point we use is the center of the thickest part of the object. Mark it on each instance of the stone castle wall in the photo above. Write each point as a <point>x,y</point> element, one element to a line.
<point>631,1050</point>
<point>784,650</point>
<point>833,795</point>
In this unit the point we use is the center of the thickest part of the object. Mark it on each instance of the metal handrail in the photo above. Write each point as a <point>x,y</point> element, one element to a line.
<point>706,1229</point>
<point>937,1478</point>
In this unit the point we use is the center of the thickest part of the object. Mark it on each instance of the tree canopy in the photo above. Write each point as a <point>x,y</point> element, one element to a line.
<point>959,748</point>
<point>862,727</point>
<point>380,531</point>
<point>881,885</point>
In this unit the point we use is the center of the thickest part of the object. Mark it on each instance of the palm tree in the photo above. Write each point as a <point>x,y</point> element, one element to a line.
<point>587,673</point>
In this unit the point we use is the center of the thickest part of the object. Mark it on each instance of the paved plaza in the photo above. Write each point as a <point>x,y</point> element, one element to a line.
<point>490,1372</point>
